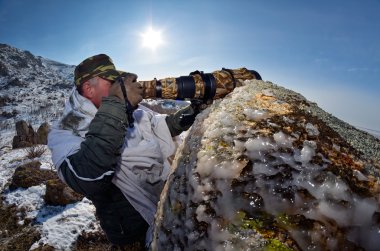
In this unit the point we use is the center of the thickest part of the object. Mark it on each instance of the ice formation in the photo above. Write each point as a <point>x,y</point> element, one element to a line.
<point>267,175</point>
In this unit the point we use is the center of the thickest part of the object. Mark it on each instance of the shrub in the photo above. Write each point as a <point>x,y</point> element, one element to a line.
<point>35,151</point>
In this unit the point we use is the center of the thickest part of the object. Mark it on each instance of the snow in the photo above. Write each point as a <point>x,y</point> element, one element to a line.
<point>30,199</point>
<point>59,226</point>
<point>8,163</point>
<point>35,87</point>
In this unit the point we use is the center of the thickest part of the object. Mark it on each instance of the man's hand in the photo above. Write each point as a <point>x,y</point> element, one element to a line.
<point>181,121</point>
<point>133,88</point>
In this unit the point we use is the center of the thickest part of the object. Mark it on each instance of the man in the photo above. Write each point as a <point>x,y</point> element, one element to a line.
<point>113,151</point>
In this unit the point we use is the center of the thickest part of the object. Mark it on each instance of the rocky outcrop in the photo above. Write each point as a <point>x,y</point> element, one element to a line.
<point>42,134</point>
<point>26,136</point>
<point>265,169</point>
<point>59,194</point>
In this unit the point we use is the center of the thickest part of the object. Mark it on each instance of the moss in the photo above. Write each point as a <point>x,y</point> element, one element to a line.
<point>30,174</point>
<point>283,220</point>
<point>248,223</point>
<point>276,245</point>
<point>252,224</point>
<point>294,221</point>
<point>272,229</point>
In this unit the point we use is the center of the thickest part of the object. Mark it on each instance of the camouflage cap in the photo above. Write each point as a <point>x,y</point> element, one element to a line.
<point>99,65</point>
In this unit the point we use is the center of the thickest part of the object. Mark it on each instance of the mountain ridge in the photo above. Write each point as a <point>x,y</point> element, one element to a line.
<point>32,88</point>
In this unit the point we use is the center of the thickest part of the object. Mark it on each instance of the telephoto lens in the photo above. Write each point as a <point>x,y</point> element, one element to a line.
<point>198,85</point>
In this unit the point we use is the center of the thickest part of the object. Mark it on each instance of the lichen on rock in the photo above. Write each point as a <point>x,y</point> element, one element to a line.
<point>265,169</point>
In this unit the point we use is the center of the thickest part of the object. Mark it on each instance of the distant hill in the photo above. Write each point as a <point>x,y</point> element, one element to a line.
<point>31,87</point>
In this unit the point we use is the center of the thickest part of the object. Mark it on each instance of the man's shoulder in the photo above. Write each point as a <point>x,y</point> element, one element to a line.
<point>63,135</point>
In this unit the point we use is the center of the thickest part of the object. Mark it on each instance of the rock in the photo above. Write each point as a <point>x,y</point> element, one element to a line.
<point>58,193</point>
<point>3,70</point>
<point>265,169</point>
<point>16,83</point>
<point>4,100</point>
<point>30,174</point>
<point>25,135</point>
<point>42,133</point>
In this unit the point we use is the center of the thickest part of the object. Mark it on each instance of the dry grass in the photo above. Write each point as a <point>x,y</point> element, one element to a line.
<point>14,236</point>
<point>35,151</point>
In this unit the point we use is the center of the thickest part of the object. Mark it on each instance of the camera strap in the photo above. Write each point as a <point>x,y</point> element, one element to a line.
<point>232,75</point>
<point>158,88</point>
<point>128,105</point>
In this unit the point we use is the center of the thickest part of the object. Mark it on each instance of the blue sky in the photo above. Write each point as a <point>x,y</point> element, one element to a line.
<point>329,51</point>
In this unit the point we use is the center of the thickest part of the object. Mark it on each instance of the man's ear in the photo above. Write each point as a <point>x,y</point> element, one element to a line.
<point>87,90</point>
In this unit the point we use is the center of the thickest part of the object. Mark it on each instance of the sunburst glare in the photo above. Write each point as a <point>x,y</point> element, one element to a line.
<point>152,38</point>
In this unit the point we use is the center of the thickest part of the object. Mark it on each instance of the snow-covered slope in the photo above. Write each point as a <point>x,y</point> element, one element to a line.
<point>47,219</point>
<point>31,87</point>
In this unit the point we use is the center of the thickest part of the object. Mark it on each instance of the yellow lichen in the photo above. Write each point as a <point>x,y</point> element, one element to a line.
<point>276,245</point>
<point>253,224</point>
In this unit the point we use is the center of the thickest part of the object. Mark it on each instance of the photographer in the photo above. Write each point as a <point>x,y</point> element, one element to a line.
<point>114,151</point>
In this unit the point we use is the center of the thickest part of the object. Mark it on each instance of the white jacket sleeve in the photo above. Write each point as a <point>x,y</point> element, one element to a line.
<point>62,143</point>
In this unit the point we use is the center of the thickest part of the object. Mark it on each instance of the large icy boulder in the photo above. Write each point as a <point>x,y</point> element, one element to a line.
<point>265,169</point>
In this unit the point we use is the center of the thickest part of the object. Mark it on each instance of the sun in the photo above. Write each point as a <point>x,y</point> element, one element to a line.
<point>152,38</point>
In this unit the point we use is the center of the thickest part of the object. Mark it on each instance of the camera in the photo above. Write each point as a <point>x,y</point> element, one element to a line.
<point>198,85</point>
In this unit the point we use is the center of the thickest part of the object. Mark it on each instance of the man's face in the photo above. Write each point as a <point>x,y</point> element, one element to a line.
<point>100,90</point>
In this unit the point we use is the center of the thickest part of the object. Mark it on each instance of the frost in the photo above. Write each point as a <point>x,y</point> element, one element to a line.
<point>255,115</point>
<point>311,130</point>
